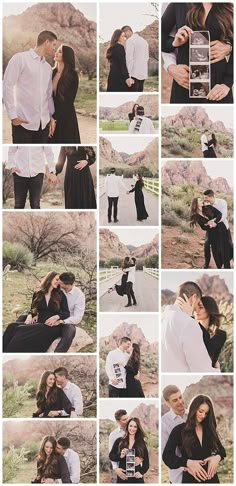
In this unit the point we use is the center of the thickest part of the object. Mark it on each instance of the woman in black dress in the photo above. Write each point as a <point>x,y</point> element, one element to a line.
<point>51,400</point>
<point>65,83</point>
<point>43,324</point>
<point>139,199</point>
<point>212,143</point>
<point>198,442</point>
<point>218,236</point>
<point>118,74</point>
<point>78,183</point>
<point>217,18</point>
<point>134,438</point>
<point>50,464</point>
<point>121,289</point>
<point>133,385</point>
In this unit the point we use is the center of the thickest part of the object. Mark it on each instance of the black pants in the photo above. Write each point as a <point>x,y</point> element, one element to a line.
<point>138,85</point>
<point>112,202</point>
<point>207,251</point>
<point>130,293</point>
<point>116,392</point>
<point>206,154</point>
<point>23,185</point>
<point>22,135</point>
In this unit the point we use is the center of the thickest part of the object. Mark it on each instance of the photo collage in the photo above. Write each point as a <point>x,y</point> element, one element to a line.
<point>117,242</point>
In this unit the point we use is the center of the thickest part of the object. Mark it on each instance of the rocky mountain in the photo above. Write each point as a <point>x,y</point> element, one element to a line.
<point>130,330</point>
<point>214,286</point>
<point>111,246</point>
<point>150,104</point>
<point>148,416</point>
<point>196,117</point>
<point>69,24</point>
<point>109,157</point>
<point>178,172</point>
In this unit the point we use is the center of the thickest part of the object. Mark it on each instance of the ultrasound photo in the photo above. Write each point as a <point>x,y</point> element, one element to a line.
<point>200,54</point>
<point>199,90</point>
<point>199,72</point>
<point>200,38</point>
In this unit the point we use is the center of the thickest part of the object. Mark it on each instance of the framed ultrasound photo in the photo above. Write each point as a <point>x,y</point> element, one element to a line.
<point>199,64</point>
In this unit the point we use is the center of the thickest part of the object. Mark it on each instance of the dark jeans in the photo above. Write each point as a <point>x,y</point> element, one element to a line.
<point>138,85</point>
<point>116,392</point>
<point>22,135</point>
<point>130,293</point>
<point>112,202</point>
<point>23,185</point>
<point>67,336</point>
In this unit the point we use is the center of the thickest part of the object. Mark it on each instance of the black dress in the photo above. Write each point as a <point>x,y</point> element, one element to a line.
<point>78,184</point>
<point>61,403</point>
<point>221,72</point>
<point>118,70</point>
<point>211,150</point>
<point>133,386</point>
<point>199,451</point>
<point>121,289</point>
<point>67,129</point>
<point>139,201</point>
<point>218,237</point>
<point>36,338</point>
<point>142,468</point>
<point>213,344</point>
<point>57,469</point>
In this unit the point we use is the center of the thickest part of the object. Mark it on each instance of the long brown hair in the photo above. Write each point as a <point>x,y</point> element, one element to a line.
<point>134,359</point>
<point>139,438</point>
<point>114,39</point>
<point>43,290</point>
<point>140,179</point>
<point>208,425</point>
<point>41,391</point>
<point>69,72</point>
<point>213,313</point>
<point>223,13</point>
<point>194,212</point>
<point>45,463</point>
<point>125,263</point>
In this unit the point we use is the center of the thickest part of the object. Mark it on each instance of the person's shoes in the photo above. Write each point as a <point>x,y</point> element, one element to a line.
<point>116,220</point>
<point>128,305</point>
<point>110,290</point>
<point>135,303</point>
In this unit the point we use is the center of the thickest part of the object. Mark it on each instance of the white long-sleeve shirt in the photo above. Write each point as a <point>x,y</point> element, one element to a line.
<point>204,142</point>
<point>30,161</point>
<point>73,393</point>
<point>73,463</point>
<point>168,422</point>
<point>115,434</point>
<point>27,89</point>
<point>183,348</point>
<point>113,184</point>
<point>168,58</point>
<point>137,55</point>
<point>131,274</point>
<point>221,205</point>
<point>76,304</point>
<point>145,127</point>
<point>115,357</point>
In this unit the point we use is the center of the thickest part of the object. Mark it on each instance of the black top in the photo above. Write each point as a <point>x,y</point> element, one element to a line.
<point>61,403</point>
<point>213,344</point>
<point>174,17</point>
<point>58,469</point>
<point>45,311</point>
<point>133,385</point>
<point>198,451</point>
<point>209,212</point>
<point>115,456</point>
<point>138,187</point>
<point>118,69</point>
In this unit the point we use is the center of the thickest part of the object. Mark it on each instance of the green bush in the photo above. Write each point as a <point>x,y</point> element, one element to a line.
<point>12,460</point>
<point>16,255</point>
<point>152,261</point>
<point>32,448</point>
<point>13,399</point>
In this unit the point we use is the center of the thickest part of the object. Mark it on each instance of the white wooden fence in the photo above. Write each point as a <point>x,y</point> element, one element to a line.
<point>154,272</point>
<point>108,273</point>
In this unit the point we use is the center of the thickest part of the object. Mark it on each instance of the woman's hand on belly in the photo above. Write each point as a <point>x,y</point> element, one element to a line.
<point>81,164</point>
<point>212,462</point>
<point>217,93</point>
<point>219,50</point>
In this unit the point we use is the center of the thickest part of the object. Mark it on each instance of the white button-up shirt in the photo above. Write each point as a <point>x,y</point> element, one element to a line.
<point>168,422</point>
<point>27,89</point>
<point>204,141</point>
<point>73,464</point>
<point>76,304</point>
<point>73,393</point>
<point>30,161</point>
<point>115,434</point>
<point>115,357</point>
<point>183,348</point>
<point>221,205</point>
<point>131,274</point>
<point>145,127</point>
<point>137,55</point>
<point>113,184</point>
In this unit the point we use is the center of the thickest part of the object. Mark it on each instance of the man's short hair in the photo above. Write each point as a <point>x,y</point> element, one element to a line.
<point>168,391</point>
<point>61,371</point>
<point>67,278</point>
<point>140,110</point>
<point>189,288</point>
<point>45,35</point>
<point>124,339</point>
<point>209,192</point>
<point>125,28</point>
<point>64,442</point>
<point>133,259</point>
<point>206,130</point>
<point>119,413</point>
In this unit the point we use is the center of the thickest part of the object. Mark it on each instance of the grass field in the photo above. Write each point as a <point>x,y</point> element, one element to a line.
<point>151,83</point>
<point>119,125</point>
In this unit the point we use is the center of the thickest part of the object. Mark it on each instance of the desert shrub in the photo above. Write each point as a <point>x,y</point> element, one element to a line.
<point>32,449</point>
<point>169,218</point>
<point>182,239</point>
<point>13,399</point>
<point>186,228</point>
<point>16,255</point>
<point>175,148</point>
<point>226,355</point>
<point>186,145</point>
<point>32,387</point>
<point>180,208</point>
<point>12,460</point>
<point>152,261</point>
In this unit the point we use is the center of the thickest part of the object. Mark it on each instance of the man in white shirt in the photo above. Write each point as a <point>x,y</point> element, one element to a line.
<point>204,144</point>
<point>71,390</point>
<point>176,415</point>
<point>28,166</point>
<point>221,205</point>
<point>121,418</point>
<point>141,124</point>
<point>115,368</point>
<point>130,282</point>
<point>27,92</point>
<point>183,348</point>
<point>112,189</point>
<point>137,55</point>
<point>76,303</point>
<point>71,457</point>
